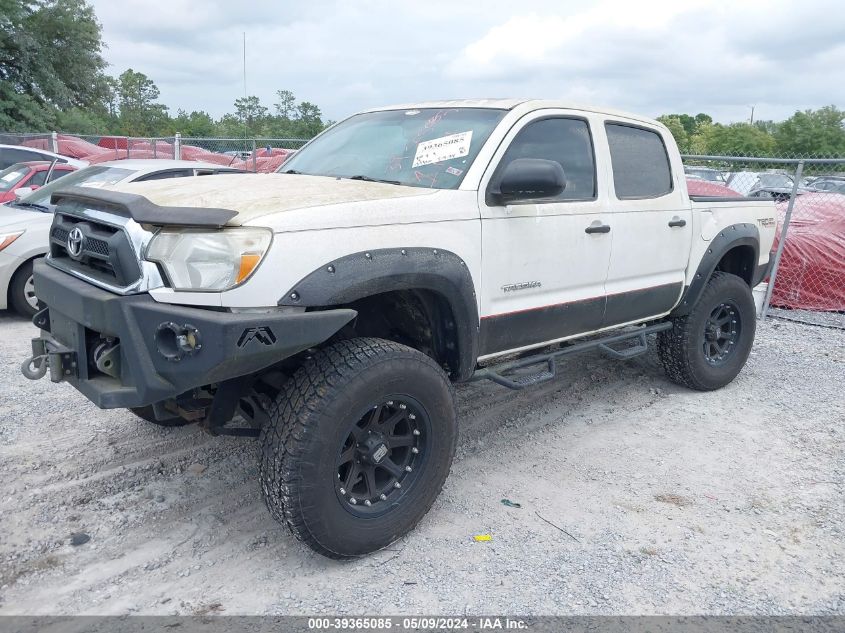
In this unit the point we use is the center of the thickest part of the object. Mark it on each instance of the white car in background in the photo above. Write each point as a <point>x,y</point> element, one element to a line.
<point>25,223</point>
<point>11,154</point>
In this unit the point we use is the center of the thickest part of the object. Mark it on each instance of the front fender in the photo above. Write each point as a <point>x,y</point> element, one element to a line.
<point>369,273</point>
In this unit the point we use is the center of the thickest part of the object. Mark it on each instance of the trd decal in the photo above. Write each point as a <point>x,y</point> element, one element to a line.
<point>261,334</point>
<point>522,285</point>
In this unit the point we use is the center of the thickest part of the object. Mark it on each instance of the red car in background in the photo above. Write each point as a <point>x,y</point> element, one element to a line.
<point>32,175</point>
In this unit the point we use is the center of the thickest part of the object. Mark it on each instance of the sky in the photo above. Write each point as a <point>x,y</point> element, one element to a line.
<point>650,57</point>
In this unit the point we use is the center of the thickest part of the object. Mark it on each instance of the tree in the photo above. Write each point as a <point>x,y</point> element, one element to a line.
<point>813,132</point>
<point>140,115</point>
<point>702,119</point>
<point>194,125</point>
<point>286,107</point>
<point>309,121</point>
<point>739,139</point>
<point>673,122</point>
<point>49,60</point>
<point>251,113</point>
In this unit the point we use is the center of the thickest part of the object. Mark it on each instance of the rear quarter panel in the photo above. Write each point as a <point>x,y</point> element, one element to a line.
<point>711,218</point>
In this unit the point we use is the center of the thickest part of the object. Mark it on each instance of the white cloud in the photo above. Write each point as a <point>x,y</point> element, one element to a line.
<point>651,57</point>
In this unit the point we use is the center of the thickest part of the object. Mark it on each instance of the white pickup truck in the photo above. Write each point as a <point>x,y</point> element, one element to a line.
<point>327,309</point>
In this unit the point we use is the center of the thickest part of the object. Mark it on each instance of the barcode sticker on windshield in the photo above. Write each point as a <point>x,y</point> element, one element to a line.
<point>444,148</point>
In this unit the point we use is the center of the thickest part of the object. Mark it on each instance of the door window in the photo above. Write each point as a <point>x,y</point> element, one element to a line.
<point>38,179</point>
<point>565,141</point>
<point>640,162</point>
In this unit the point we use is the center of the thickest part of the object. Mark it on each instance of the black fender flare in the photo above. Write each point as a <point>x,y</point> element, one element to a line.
<point>730,237</point>
<point>366,273</point>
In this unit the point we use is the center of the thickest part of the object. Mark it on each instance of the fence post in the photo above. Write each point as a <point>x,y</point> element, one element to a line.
<point>782,241</point>
<point>128,143</point>
<point>177,146</point>
<point>254,161</point>
<point>54,142</point>
<point>155,149</point>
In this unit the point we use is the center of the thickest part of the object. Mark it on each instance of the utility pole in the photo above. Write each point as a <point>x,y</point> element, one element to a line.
<point>752,115</point>
<point>245,66</point>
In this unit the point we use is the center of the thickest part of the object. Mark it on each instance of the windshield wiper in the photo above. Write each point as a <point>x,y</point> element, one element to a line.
<point>368,179</point>
<point>30,205</point>
<point>291,171</point>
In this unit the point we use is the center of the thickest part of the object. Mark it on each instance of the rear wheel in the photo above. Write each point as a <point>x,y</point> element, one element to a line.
<point>358,445</point>
<point>706,349</point>
<point>22,291</point>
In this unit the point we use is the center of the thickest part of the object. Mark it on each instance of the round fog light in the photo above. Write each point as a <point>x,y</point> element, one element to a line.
<point>175,341</point>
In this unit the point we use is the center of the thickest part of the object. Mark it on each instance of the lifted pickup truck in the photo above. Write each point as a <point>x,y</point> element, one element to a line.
<point>327,309</point>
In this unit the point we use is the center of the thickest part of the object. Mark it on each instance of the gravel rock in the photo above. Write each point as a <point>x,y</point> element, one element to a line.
<point>749,518</point>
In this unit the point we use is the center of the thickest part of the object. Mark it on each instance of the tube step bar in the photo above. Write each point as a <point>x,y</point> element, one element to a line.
<point>500,373</point>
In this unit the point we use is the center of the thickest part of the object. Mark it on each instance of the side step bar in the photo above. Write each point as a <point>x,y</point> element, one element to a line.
<point>498,373</point>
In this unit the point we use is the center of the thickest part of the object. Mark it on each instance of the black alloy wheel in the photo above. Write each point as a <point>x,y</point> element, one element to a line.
<point>382,455</point>
<point>721,333</point>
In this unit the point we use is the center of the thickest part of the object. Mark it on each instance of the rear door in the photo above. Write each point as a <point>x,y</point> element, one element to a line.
<point>543,274</point>
<point>651,223</point>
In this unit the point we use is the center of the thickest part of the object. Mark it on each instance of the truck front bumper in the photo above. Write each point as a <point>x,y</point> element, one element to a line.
<point>130,351</point>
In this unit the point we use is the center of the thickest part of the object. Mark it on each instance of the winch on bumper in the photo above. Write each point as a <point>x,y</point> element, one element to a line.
<point>131,351</point>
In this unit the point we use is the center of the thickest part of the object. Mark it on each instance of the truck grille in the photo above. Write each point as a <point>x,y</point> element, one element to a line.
<point>105,252</point>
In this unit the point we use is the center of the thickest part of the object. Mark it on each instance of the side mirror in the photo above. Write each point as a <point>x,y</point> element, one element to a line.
<point>23,192</point>
<point>528,179</point>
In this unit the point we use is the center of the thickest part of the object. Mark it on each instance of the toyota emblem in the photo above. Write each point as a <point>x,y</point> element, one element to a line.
<point>75,240</point>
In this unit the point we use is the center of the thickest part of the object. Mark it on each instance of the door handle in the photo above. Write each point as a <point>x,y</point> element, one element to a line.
<point>676,221</point>
<point>597,227</point>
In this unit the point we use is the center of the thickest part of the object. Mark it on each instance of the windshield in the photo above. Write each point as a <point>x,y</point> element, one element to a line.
<point>93,176</point>
<point>430,147</point>
<point>11,176</point>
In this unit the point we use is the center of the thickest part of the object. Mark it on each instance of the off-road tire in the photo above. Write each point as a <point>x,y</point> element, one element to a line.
<point>681,349</point>
<point>146,413</point>
<point>18,290</point>
<point>302,441</point>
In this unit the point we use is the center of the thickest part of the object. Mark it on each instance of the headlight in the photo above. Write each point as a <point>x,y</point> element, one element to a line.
<point>8,238</point>
<point>209,260</point>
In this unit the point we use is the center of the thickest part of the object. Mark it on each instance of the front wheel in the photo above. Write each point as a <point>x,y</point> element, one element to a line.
<point>358,445</point>
<point>706,349</point>
<point>22,292</point>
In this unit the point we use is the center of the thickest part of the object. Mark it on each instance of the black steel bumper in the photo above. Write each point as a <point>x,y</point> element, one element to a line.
<point>152,363</point>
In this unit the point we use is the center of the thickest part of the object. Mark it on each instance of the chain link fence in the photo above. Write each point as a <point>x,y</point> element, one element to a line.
<point>807,281</point>
<point>258,154</point>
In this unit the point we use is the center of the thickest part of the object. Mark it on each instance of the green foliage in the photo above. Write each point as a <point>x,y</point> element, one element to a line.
<point>140,115</point>
<point>195,124</point>
<point>676,127</point>
<point>49,61</point>
<point>819,132</point>
<point>739,139</point>
<point>809,133</point>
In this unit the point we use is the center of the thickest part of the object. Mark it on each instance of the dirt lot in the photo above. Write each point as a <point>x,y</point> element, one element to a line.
<point>637,496</point>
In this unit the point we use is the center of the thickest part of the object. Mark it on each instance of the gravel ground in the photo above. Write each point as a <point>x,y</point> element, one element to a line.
<point>638,497</point>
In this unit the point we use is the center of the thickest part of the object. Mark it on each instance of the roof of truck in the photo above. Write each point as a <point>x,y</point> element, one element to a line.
<point>512,103</point>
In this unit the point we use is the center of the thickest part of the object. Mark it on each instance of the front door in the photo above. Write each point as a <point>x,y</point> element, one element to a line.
<point>544,262</point>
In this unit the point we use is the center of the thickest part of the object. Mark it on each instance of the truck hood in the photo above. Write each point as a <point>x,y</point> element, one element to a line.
<point>256,195</point>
